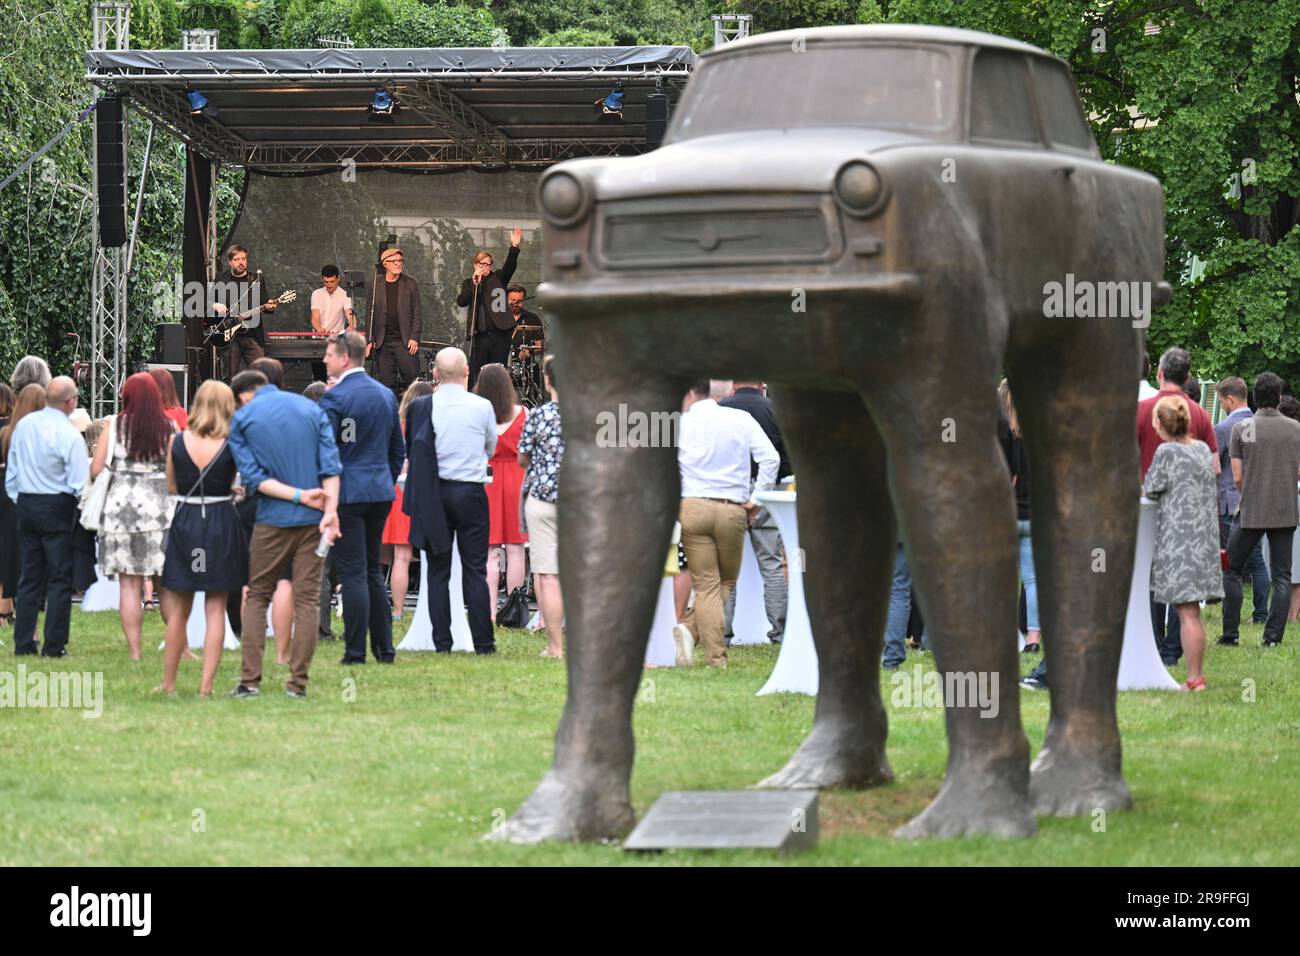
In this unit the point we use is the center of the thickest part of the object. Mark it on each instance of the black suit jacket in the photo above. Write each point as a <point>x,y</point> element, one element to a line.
<point>421,498</point>
<point>490,296</point>
<point>409,318</point>
<point>760,407</point>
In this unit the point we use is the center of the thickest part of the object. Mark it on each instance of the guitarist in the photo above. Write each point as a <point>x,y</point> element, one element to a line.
<point>237,290</point>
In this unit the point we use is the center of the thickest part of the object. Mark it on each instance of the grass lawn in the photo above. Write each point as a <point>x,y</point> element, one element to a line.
<point>416,768</point>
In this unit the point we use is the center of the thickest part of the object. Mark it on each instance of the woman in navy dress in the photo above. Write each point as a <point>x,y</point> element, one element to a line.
<point>206,549</point>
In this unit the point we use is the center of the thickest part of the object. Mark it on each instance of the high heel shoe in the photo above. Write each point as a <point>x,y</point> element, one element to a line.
<point>1195,683</point>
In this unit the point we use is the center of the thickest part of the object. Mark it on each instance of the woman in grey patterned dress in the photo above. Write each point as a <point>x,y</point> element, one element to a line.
<point>138,510</point>
<point>1185,568</point>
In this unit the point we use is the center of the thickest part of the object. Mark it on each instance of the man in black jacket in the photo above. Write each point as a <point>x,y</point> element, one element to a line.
<point>235,290</point>
<point>490,322</point>
<point>395,324</point>
<point>763,535</point>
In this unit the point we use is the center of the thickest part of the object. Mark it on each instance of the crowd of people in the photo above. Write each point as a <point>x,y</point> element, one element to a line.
<point>259,497</point>
<point>262,498</point>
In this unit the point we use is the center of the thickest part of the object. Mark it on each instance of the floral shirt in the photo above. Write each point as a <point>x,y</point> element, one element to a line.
<point>544,445</point>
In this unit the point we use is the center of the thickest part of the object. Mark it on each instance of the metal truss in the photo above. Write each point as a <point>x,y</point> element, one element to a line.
<point>444,108</point>
<point>108,335</point>
<point>108,332</point>
<point>309,156</point>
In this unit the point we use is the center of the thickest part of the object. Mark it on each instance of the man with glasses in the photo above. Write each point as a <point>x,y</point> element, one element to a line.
<point>395,324</point>
<point>490,322</point>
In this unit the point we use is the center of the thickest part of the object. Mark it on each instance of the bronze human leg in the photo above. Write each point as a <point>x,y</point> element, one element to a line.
<point>1077,416</point>
<point>847,529</point>
<point>616,510</point>
<point>951,487</point>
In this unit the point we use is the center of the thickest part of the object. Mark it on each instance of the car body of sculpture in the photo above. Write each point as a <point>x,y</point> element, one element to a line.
<point>870,219</point>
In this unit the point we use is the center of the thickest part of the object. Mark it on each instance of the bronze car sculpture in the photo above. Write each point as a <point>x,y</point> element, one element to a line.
<point>869,218</point>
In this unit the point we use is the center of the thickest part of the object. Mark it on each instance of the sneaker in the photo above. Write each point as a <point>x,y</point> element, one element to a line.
<point>243,692</point>
<point>685,645</point>
<point>1030,682</point>
<point>296,694</point>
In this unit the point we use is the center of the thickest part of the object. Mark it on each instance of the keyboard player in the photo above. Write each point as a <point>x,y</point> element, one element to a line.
<point>331,311</point>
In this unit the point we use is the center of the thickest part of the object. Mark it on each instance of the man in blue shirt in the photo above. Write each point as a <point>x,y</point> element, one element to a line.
<point>369,436</point>
<point>1232,397</point>
<point>47,468</point>
<point>284,447</point>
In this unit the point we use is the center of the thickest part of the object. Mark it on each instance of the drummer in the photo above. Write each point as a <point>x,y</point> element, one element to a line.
<point>528,338</point>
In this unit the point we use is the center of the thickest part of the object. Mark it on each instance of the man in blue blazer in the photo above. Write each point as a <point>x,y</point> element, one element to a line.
<point>371,449</point>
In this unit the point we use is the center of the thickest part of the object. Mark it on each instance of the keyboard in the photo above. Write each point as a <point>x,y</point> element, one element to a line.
<point>296,346</point>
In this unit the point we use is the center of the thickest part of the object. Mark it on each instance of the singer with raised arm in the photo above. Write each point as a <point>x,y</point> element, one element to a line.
<point>237,299</point>
<point>395,323</point>
<point>489,324</point>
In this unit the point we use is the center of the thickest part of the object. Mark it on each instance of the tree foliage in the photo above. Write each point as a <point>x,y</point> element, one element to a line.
<point>1208,104</point>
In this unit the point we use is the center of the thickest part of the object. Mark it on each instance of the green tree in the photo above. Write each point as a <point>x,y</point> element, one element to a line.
<point>1205,99</point>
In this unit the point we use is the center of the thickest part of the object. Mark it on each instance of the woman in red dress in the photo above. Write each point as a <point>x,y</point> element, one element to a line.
<point>397,530</point>
<point>507,480</point>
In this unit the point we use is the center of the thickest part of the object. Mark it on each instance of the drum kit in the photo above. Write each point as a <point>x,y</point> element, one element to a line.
<point>526,365</point>
<point>526,350</point>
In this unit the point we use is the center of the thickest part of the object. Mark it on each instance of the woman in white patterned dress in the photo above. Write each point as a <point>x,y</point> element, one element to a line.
<point>1185,567</point>
<point>138,510</point>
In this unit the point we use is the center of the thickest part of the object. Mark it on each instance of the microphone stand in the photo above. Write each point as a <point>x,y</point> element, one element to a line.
<point>470,322</point>
<point>370,324</point>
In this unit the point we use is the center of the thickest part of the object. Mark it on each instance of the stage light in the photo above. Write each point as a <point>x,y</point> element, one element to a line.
<point>610,109</point>
<point>199,104</point>
<point>382,107</point>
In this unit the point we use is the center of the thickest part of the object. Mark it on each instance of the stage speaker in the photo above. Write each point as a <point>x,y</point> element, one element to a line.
<point>656,119</point>
<point>169,344</point>
<point>110,170</point>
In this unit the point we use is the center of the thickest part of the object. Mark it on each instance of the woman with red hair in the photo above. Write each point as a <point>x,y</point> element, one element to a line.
<point>171,404</point>
<point>138,510</point>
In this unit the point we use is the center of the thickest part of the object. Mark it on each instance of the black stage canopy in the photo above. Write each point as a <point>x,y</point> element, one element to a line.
<point>483,107</point>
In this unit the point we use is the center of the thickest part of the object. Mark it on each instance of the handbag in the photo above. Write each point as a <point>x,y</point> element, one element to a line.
<point>515,612</point>
<point>95,495</point>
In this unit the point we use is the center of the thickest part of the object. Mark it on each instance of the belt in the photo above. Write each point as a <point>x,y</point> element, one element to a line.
<point>725,501</point>
<point>202,501</point>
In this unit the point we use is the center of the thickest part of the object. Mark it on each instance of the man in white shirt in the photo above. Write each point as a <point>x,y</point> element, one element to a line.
<point>331,312</point>
<point>331,307</point>
<point>465,436</point>
<point>714,448</point>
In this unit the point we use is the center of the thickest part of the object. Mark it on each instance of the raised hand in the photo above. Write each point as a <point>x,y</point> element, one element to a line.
<point>516,237</point>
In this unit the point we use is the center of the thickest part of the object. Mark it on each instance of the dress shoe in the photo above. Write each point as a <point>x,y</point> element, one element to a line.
<point>1226,642</point>
<point>1272,643</point>
<point>347,662</point>
<point>296,694</point>
<point>58,652</point>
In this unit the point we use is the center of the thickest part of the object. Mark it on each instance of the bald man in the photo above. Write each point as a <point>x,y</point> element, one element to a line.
<point>465,436</point>
<point>47,468</point>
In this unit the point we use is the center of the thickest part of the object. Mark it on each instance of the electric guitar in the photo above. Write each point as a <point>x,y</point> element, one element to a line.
<point>230,324</point>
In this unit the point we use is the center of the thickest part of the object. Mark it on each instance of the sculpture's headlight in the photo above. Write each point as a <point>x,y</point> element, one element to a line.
<point>860,188</point>
<point>565,199</point>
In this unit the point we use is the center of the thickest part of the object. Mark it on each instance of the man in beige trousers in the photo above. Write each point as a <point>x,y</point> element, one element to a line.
<point>714,448</point>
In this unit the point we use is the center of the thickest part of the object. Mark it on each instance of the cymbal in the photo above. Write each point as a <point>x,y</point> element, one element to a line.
<point>430,344</point>
<point>528,328</point>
